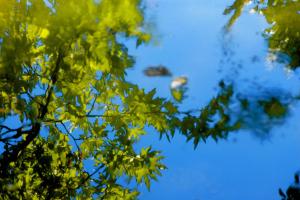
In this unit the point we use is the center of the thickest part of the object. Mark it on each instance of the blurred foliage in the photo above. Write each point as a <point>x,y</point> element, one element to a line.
<point>236,8</point>
<point>261,111</point>
<point>159,70</point>
<point>178,88</point>
<point>214,119</point>
<point>230,111</point>
<point>178,94</point>
<point>283,33</point>
<point>274,108</point>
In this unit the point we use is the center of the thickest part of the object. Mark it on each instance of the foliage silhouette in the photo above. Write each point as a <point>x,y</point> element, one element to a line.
<point>293,191</point>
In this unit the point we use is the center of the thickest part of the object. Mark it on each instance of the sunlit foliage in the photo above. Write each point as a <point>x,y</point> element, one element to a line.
<point>283,35</point>
<point>63,89</point>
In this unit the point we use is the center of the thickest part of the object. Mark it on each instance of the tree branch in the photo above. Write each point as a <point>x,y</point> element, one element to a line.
<point>9,130</point>
<point>74,139</point>
<point>90,175</point>
<point>93,105</point>
<point>12,156</point>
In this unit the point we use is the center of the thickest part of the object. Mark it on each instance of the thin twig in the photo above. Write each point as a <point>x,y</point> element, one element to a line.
<point>92,174</point>
<point>93,105</point>
<point>68,132</point>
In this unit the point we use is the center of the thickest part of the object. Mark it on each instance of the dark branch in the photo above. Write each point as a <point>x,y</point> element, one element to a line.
<point>74,139</point>
<point>12,154</point>
<point>90,175</point>
<point>93,105</point>
<point>19,131</point>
